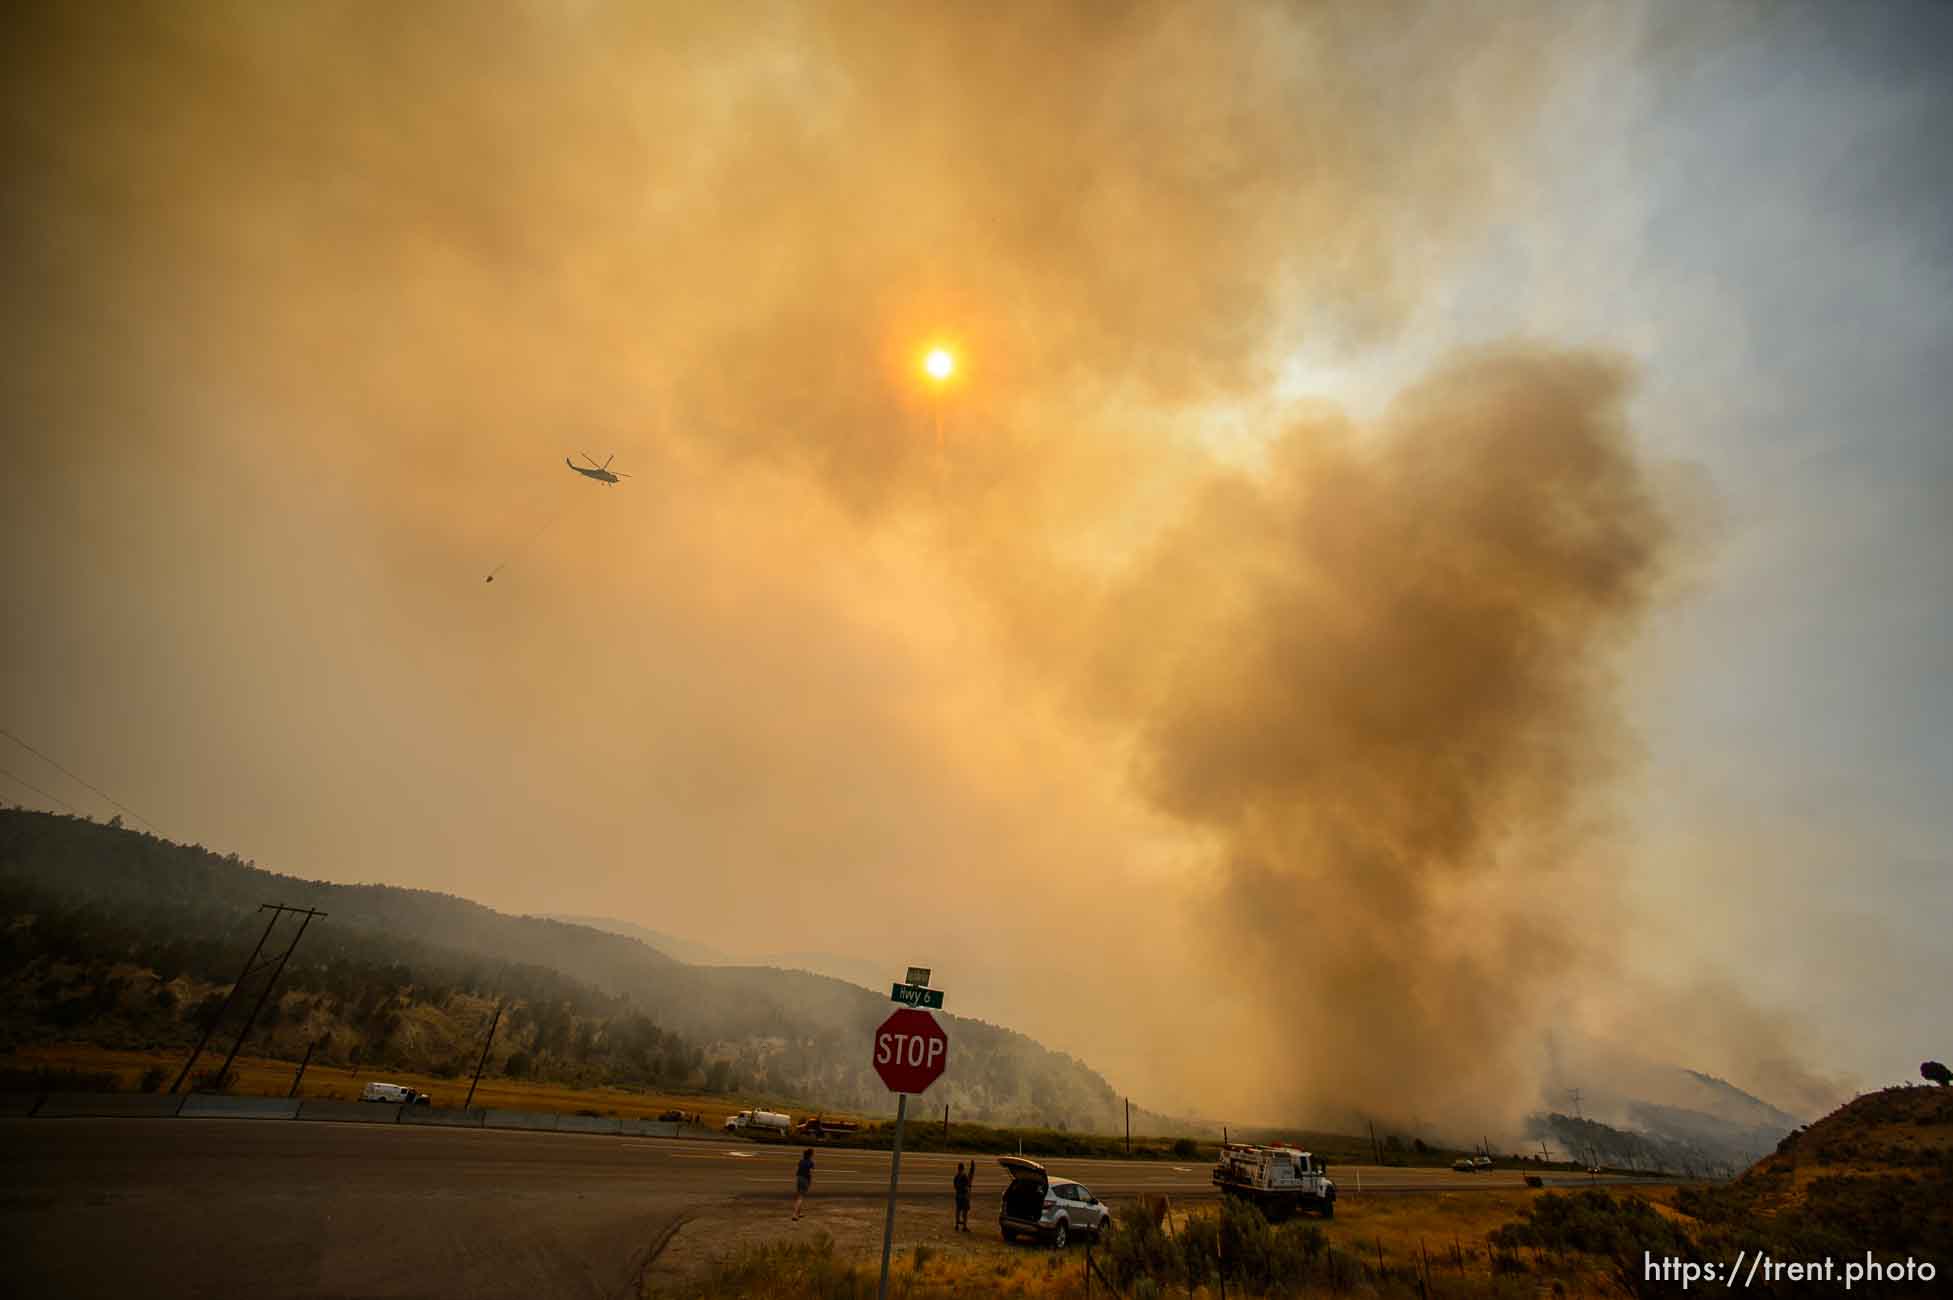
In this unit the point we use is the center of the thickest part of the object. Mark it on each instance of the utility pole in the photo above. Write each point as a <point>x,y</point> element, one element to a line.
<point>242,975</point>
<point>487,1043</point>
<point>301,1067</point>
<point>1375,1150</point>
<point>945,1124</point>
<point>1575,1094</point>
<point>269,985</point>
<point>1129,1126</point>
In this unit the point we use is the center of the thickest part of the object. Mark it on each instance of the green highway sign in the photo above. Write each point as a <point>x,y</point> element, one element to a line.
<point>910,995</point>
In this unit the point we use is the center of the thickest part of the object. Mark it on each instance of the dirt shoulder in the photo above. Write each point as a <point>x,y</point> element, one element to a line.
<point>853,1223</point>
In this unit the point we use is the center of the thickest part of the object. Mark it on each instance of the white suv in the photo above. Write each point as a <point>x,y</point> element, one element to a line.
<point>1050,1209</point>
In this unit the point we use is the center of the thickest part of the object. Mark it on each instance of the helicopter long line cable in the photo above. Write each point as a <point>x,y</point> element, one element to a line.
<point>529,541</point>
<point>53,798</point>
<point>78,779</point>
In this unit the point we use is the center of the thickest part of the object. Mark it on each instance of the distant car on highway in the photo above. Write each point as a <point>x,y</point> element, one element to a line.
<point>393,1092</point>
<point>1050,1209</point>
<point>673,1117</point>
<point>1465,1165</point>
<point>1481,1162</point>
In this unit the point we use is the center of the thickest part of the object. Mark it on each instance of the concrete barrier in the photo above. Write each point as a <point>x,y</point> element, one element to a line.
<point>209,1106</point>
<point>539,1120</point>
<point>589,1124</point>
<point>122,1105</point>
<point>471,1118</point>
<point>351,1112</point>
<point>109,1105</point>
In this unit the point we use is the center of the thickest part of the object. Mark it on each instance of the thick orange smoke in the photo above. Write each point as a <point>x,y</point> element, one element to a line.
<point>318,297</point>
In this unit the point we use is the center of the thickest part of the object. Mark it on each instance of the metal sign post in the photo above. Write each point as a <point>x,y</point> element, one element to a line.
<point>894,1175</point>
<point>911,1052</point>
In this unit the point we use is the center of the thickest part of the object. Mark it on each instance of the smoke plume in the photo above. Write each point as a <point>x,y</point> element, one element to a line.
<point>1386,702</point>
<point>1137,740</point>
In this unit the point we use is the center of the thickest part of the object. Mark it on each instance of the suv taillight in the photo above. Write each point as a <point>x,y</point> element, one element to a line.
<point>1050,1202</point>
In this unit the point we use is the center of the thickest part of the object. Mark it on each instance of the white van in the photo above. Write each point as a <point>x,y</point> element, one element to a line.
<point>393,1092</point>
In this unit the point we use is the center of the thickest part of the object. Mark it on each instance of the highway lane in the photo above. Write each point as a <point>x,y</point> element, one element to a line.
<point>190,1208</point>
<point>194,1208</point>
<point>850,1172</point>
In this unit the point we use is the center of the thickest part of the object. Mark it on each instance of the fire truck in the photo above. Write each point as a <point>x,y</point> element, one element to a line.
<point>1279,1179</point>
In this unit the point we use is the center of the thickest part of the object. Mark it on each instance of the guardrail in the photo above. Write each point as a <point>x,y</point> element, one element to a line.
<point>204,1105</point>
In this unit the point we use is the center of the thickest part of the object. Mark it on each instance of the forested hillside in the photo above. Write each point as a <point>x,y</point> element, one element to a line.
<point>112,936</point>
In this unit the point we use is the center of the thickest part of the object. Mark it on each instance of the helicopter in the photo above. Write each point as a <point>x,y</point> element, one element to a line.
<point>603,473</point>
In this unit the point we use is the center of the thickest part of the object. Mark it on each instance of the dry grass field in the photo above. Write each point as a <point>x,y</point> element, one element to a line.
<point>263,1077</point>
<point>743,1250</point>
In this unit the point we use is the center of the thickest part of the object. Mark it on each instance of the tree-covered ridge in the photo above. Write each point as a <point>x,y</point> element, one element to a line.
<point>118,974</point>
<point>105,926</point>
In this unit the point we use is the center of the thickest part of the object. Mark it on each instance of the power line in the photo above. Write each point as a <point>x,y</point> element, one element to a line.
<point>37,790</point>
<point>251,967</point>
<point>90,784</point>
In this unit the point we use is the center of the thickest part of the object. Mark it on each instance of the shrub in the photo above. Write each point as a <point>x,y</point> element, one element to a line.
<point>1185,1148</point>
<point>1592,1222</point>
<point>1238,1241</point>
<point>1137,1248</point>
<point>785,1268</point>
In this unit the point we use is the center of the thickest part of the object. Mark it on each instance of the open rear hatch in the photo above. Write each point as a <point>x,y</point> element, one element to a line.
<point>1024,1198</point>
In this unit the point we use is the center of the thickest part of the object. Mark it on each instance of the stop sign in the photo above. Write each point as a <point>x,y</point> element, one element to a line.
<point>911,1051</point>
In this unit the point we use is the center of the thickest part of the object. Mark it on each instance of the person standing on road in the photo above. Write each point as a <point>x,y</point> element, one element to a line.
<point>803,1178</point>
<point>962,1185</point>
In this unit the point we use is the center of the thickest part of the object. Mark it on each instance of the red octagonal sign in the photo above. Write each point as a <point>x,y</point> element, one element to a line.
<point>911,1050</point>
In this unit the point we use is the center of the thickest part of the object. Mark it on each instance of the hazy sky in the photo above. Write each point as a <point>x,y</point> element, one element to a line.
<point>1440,534</point>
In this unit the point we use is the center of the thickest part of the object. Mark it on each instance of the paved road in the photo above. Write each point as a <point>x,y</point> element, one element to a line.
<point>191,1208</point>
